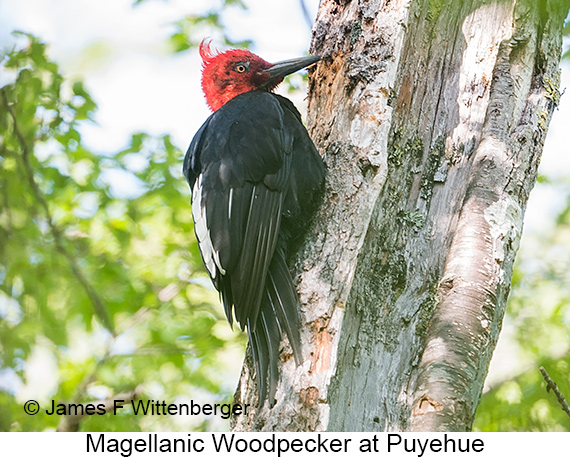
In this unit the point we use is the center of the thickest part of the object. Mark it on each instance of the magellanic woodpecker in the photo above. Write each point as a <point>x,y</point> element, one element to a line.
<point>255,176</point>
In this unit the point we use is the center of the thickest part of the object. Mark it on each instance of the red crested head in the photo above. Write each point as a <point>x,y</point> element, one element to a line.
<point>228,74</point>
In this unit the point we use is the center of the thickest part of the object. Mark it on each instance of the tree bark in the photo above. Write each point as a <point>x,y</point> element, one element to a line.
<point>431,116</point>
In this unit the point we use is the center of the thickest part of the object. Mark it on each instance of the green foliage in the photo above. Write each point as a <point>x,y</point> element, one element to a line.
<point>522,404</point>
<point>101,292</point>
<point>191,29</point>
<point>539,311</point>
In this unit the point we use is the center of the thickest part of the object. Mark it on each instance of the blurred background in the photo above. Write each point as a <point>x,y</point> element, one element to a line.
<point>102,289</point>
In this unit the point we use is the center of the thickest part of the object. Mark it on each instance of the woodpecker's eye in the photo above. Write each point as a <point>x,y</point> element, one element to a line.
<point>241,67</point>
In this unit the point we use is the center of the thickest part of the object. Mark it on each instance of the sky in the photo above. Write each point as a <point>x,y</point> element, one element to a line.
<point>122,55</point>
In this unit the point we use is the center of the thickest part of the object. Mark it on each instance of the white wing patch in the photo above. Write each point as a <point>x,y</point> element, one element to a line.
<point>231,200</point>
<point>210,255</point>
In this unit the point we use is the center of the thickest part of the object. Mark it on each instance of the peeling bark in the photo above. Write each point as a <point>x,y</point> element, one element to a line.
<point>431,116</point>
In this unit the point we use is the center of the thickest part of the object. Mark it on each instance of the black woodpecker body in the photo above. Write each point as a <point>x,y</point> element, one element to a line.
<point>255,176</point>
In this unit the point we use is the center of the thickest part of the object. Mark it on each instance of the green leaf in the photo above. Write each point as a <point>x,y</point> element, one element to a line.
<point>72,252</point>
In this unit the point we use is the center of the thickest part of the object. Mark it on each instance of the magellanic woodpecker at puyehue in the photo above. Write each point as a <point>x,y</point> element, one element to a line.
<point>255,176</point>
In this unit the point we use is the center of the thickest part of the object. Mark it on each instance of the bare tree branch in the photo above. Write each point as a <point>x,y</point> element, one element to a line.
<point>551,385</point>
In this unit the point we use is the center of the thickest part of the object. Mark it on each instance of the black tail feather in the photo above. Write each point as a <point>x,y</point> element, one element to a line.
<point>260,359</point>
<point>285,304</point>
<point>279,311</point>
<point>270,328</point>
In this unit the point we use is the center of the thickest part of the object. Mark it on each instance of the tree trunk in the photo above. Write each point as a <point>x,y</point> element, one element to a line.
<point>431,116</point>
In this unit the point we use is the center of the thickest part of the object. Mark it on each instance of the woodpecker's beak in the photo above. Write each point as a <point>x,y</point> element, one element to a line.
<point>286,67</point>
